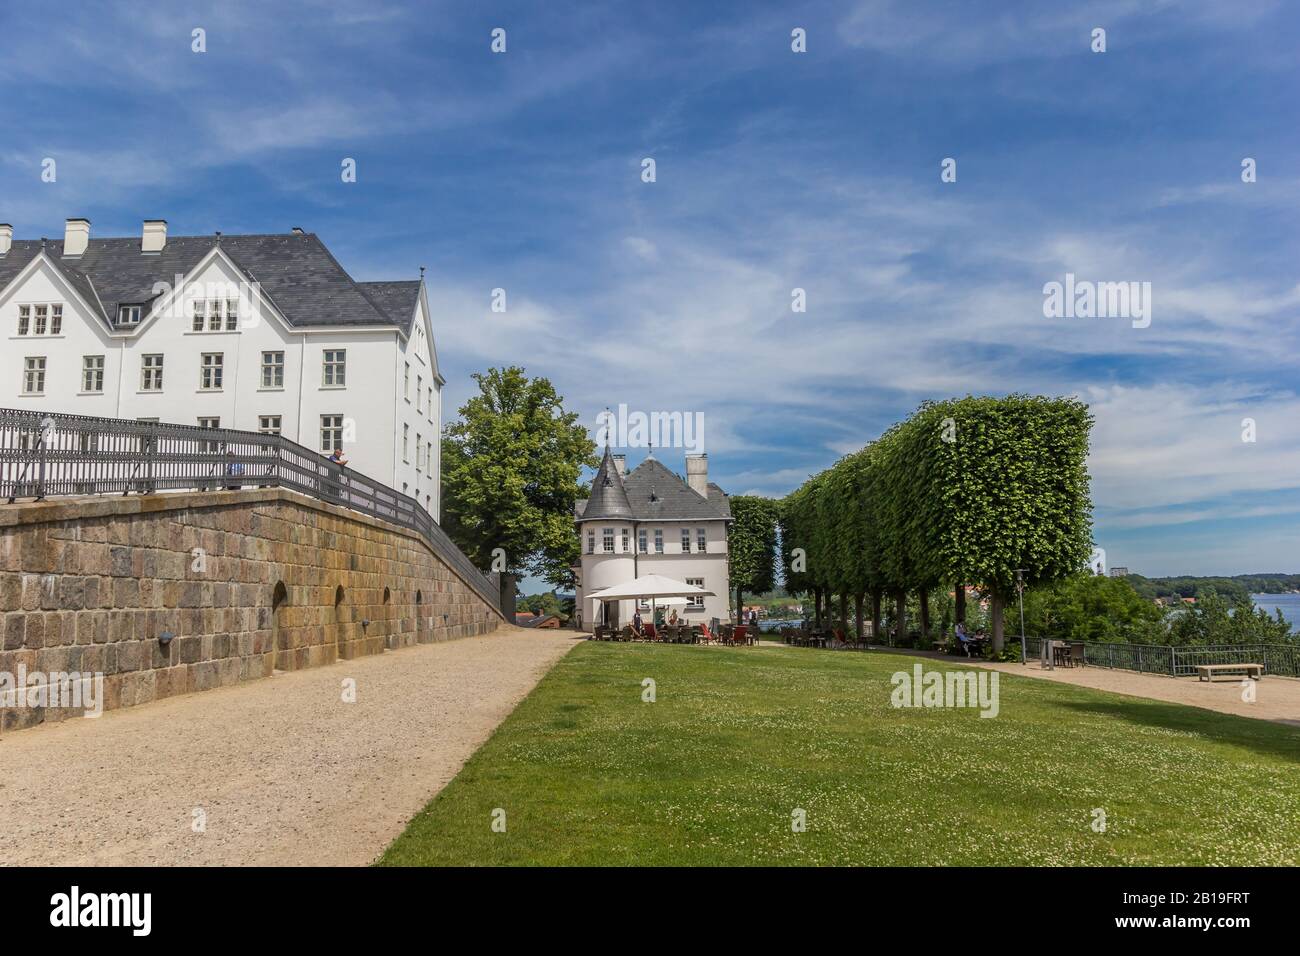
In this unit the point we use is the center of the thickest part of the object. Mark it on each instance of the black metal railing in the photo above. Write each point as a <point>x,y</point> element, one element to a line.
<point>1278,659</point>
<point>45,454</point>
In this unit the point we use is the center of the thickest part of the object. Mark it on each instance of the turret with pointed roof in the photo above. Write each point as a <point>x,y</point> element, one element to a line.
<point>608,496</point>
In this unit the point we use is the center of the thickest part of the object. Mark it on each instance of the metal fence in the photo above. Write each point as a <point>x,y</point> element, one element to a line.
<point>44,455</point>
<point>1281,660</point>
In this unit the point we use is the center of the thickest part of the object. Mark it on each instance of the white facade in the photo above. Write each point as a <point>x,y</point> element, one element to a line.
<point>619,549</point>
<point>379,393</point>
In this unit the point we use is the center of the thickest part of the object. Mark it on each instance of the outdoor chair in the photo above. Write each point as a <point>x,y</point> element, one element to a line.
<point>1077,654</point>
<point>740,635</point>
<point>628,633</point>
<point>707,636</point>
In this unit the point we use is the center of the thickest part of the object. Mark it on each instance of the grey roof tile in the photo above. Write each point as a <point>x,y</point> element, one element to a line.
<point>651,493</point>
<point>298,272</point>
<point>608,498</point>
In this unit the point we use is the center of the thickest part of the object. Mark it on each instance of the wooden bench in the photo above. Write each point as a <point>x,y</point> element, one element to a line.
<point>1206,672</point>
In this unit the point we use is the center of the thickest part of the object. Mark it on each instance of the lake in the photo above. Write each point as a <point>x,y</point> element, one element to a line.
<point>1289,604</point>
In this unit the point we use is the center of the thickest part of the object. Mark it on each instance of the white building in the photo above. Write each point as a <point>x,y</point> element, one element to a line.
<point>263,333</point>
<point>651,521</point>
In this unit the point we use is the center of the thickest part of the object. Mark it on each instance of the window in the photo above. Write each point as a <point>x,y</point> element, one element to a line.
<point>211,371</point>
<point>151,369</point>
<point>607,540</point>
<point>198,316</point>
<point>210,422</point>
<point>56,319</point>
<point>701,540</point>
<point>268,424</point>
<point>591,542</point>
<point>126,315</point>
<point>686,541</point>
<point>232,314</point>
<point>334,372</point>
<point>642,541</point>
<point>406,382</point>
<point>42,315</point>
<point>273,370</point>
<point>331,433</point>
<point>214,315</point>
<point>406,444</point>
<point>24,319</point>
<point>34,375</point>
<point>430,404</point>
<point>627,541</point>
<point>92,373</point>
<point>696,601</point>
<point>419,452</point>
<point>659,540</point>
<point>419,394</point>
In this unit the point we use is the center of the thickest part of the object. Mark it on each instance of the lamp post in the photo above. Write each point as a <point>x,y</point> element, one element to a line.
<point>1020,592</point>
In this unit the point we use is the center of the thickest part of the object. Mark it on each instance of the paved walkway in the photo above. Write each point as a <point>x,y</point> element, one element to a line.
<point>1276,698</point>
<point>281,769</point>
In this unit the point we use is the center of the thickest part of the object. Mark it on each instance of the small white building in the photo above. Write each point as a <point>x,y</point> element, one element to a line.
<point>651,521</point>
<point>262,332</point>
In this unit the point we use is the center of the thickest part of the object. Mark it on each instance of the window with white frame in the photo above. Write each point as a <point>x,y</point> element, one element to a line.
<point>268,424</point>
<point>56,319</point>
<point>128,315</point>
<point>214,315</point>
<point>335,368</point>
<point>151,371</point>
<point>686,541</point>
<point>419,394</point>
<point>701,540</point>
<point>24,319</point>
<point>92,373</point>
<point>419,452</point>
<point>331,433</point>
<point>607,540</point>
<point>273,370</point>
<point>198,320</point>
<point>406,444</point>
<point>209,446</point>
<point>406,382</point>
<point>430,406</point>
<point>42,319</point>
<point>34,375</point>
<point>627,541</point>
<point>659,540</point>
<point>643,541</point>
<point>591,542</point>
<point>232,315</point>
<point>695,602</point>
<point>212,371</point>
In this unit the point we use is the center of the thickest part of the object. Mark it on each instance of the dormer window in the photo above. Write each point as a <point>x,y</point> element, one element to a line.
<point>128,315</point>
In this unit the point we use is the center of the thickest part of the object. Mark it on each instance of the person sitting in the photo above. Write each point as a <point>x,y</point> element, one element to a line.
<point>963,639</point>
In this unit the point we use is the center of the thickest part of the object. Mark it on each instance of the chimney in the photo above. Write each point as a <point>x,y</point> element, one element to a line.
<point>76,237</point>
<point>697,474</point>
<point>620,465</point>
<point>6,238</point>
<point>154,237</point>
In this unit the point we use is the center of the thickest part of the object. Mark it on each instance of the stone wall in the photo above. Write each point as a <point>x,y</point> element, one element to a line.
<point>245,582</point>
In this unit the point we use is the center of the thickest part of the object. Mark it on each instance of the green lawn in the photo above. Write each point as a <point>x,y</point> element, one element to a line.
<point>740,737</point>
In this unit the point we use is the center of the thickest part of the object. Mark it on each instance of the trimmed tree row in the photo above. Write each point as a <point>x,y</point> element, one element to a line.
<point>964,492</point>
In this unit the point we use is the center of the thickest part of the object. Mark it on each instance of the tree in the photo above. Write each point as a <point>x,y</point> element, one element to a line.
<point>751,546</point>
<point>511,465</point>
<point>1089,607</point>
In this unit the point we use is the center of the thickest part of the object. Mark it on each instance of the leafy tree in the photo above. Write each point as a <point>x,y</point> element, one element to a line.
<point>751,546</point>
<point>547,603</point>
<point>1213,620</point>
<point>1088,607</point>
<point>511,465</point>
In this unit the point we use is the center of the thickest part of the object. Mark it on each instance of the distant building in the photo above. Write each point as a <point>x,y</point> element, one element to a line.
<point>1098,561</point>
<point>651,521</point>
<point>1119,572</point>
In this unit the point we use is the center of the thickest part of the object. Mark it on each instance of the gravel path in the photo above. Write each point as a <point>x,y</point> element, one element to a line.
<point>282,770</point>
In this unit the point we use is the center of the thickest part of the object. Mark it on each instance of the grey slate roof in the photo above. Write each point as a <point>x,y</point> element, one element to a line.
<point>608,499</point>
<point>300,275</point>
<point>651,493</point>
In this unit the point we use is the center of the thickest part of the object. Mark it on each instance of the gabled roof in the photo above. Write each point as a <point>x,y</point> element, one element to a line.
<point>650,492</point>
<point>299,274</point>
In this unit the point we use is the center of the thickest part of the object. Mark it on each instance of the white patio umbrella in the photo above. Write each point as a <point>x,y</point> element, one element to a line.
<point>652,586</point>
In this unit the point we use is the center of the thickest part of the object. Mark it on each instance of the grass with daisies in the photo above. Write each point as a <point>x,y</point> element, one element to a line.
<point>737,740</point>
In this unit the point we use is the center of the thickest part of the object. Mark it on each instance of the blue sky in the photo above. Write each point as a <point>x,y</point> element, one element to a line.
<point>775,170</point>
